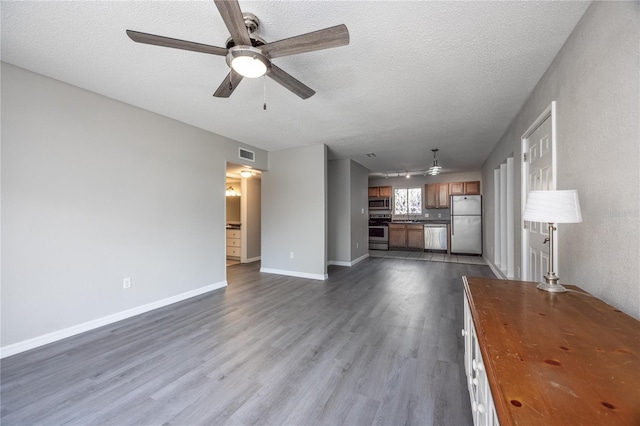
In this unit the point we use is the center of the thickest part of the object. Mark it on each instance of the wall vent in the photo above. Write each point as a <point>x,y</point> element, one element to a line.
<point>245,154</point>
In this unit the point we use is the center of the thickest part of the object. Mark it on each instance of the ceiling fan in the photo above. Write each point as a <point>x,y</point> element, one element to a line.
<point>248,55</point>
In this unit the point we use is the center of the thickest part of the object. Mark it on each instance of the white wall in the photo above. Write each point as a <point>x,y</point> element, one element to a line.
<point>595,81</point>
<point>294,212</point>
<point>94,190</point>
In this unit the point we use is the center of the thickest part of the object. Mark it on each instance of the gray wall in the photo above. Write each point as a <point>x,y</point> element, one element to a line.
<point>348,211</point>
<point>595,81</point>
<point>339,194</point>
<point>94,190</point>
<point>294,212</point>
<point>359,210</point>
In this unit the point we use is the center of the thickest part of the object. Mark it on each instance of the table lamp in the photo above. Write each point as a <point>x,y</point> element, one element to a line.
<point>552,207</point>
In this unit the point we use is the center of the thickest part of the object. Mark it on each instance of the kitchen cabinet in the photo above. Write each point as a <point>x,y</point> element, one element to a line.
<point>464,188</point>
<point>397,235</point>
<point>415,236</point>
<point>233,243</point>
<point>380,192</point>
<point>533,357</point>
<point>437,195</point>
<point>472,188</point>
<point>406,236</point>
<point>456,188</point>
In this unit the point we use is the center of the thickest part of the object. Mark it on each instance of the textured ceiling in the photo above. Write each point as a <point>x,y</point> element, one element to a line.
<point>416,75</point>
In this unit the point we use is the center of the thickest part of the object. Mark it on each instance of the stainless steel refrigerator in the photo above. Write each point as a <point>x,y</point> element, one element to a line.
<point>466,224</point>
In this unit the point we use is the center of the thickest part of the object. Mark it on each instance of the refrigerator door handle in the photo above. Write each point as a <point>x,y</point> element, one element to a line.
<point>452,225</point>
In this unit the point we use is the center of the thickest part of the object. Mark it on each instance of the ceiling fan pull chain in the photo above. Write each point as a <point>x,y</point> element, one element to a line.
<point>230,85</point>
<point>265,93</point>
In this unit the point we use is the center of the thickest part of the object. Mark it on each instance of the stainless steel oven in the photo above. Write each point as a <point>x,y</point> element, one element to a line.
<point>379,236</point>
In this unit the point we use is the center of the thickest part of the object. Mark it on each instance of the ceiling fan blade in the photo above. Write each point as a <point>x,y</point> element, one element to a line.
<point>317,40</point>
<point>175,43</point>
<point>225,90</point>
<point>232,17</point>
<point>290,83</point>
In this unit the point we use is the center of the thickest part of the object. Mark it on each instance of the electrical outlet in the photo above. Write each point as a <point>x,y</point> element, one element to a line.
<point>357,245</point>
<point>362,211</point>
<point>126,282</point>
<point>290,255</point>
<point>426,215</point>
<point>439,215</point>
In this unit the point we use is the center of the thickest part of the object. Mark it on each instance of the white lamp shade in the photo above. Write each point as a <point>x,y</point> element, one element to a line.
<point>553,207</point>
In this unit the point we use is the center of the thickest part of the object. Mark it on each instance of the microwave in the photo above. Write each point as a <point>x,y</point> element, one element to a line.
<point>380,203</point>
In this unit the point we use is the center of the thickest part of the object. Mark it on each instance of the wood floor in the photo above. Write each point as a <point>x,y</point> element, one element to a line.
<point>377,343</point>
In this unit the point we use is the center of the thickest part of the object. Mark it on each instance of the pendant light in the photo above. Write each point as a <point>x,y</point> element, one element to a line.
<point>434,169</point>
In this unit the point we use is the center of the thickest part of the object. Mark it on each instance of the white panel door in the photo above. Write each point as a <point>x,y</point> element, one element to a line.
<point>540,178</point>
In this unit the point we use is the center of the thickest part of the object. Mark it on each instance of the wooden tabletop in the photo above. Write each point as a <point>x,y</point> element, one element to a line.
<point>556,358</point>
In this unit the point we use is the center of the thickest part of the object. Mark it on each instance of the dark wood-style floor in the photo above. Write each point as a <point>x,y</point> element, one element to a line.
<point>377,343</point>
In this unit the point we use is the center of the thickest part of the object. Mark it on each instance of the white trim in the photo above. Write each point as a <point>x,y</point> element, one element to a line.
<point>497,242</point>
<point>511,243</point>
<point>295,274</point>
<point>549,111</point>
<point>45,339</point>
<point>353,262</point>
<point>496,271</point>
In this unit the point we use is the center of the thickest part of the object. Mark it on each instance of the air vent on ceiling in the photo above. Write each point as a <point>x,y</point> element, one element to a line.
<point>246,154</point>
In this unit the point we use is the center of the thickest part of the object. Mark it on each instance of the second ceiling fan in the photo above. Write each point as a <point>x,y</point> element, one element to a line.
<point>248,55</point>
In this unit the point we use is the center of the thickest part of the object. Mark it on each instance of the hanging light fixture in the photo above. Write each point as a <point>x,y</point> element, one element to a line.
<point>232,192</point>
<point>434,169</point>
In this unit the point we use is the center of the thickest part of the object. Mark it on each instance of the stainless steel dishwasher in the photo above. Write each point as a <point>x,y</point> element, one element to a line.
<point>435,237</point>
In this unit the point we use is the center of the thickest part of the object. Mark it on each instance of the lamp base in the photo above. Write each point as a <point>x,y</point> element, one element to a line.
<point>551,287</point>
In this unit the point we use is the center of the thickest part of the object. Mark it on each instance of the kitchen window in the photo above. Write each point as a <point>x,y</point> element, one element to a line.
<point>407,201</point>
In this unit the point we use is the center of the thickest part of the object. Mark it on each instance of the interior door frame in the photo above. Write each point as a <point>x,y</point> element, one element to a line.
<point>549,112</point>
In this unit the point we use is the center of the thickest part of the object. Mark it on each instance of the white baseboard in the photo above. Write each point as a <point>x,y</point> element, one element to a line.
<point>35,342</point>
<point>253,259</point>
<point>353,262</point>
<point>295,274</point>
<point>496,270</point>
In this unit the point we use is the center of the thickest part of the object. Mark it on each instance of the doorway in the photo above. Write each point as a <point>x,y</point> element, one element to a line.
<point>538,174</point>
<point>243,214</point>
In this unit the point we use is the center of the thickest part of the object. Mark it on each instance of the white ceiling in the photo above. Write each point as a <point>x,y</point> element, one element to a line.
<point>416,75</point>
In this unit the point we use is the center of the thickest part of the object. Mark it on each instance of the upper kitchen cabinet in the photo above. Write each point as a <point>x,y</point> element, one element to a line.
<point>464,188</point>
<point>472,188</point>
<point>380,192</point>
<point>437,195</point>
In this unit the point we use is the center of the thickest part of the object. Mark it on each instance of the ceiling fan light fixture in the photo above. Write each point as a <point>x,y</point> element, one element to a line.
<point>248,61</point>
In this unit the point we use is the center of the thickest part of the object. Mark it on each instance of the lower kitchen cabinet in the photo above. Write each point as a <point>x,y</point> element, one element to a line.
<point>406,236</point>
<point>415,236</point>
<point>397,236</point>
